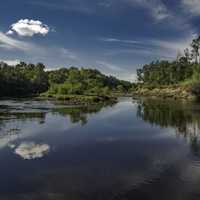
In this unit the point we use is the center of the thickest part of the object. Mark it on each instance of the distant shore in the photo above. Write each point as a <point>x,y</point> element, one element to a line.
<point>80,99</point>
<point>173,91</point>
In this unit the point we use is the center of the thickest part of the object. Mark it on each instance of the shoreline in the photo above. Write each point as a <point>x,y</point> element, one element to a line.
<point>79,99</point>
<point>166,92</point>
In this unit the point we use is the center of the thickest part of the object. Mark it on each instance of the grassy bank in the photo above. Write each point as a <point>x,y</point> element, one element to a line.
<point>80,99</point>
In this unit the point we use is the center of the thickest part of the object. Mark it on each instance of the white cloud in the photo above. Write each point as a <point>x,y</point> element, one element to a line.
<point>30,52</point>
<point>109,66</point>
<point>11,62</point>
<point>193,6</point>
<point>68,54</point>
<point>157,47</point>
<point>173,46</point>
<point>26,27</point>
<point>111,69</point>
<point>11,43</point>
<point>110,40</point>
<point>10,32</point>
<point>71,5</point>
<point>30,150</point>
<point>160,12</point>
<point>157,8</point>
<point>119,40</point>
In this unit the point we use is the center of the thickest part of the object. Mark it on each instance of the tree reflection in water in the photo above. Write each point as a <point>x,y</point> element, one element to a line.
<point>17,118</point>
<point>80,113</point>
<point>10,120</point>
<point>181,115</point>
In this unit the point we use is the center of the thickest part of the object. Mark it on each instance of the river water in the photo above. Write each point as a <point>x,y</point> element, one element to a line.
<point>143,149</point>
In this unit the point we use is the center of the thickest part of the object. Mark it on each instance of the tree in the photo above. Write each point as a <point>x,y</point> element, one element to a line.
<point>30,79</point>
<point>187,54</point>
<point>195,49</point>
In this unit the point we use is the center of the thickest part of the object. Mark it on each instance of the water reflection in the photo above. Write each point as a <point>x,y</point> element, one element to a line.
<point>133,150</point>
<point>30,150</point>
<point>181,115</point>
<point>80,113</point>
<point>34,111</point>
<point>20,120</point>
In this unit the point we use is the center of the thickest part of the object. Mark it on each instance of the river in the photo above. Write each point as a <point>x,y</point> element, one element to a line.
<point>142,149</point>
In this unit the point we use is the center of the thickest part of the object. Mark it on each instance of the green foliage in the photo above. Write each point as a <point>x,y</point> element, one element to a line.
<point>185,69</point>
<point>22,79</point>
<point>84,82</point>
<point>29,79</point>
<point>165,72</point>
<point>66,88</point>
<point>196,73</point>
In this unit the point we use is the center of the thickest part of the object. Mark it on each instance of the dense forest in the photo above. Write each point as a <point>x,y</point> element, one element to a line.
<point>22,79</point>
<point>29,79</point>
<point>184,70</point>
<point>84,82</point>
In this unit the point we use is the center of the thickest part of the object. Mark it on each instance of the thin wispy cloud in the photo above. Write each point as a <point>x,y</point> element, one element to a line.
<point>115,40</point>
<point>20,50</point>
<point>119,71</point>
<point>105,3</point>
<point>33,52</point>
<point>69,54</point>
<point>157,8</point>
<point>193,6</point>
<point>120,34</point>
<point>159,48</point>
<point>110,66</point>
<point>10,43</point>
<point>74,6</point>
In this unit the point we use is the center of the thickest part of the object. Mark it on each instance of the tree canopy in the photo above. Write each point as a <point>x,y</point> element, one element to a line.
<point>84,81</point>
<point>185,68</point>
<point>22,79</point>
<point>29,79</point>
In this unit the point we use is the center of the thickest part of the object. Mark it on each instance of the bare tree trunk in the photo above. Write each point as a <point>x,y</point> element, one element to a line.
<point>196,59</point>
<point>199,58</point>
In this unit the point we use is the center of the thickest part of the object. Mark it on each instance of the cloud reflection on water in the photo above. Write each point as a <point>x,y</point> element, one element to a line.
<point>30,150</point>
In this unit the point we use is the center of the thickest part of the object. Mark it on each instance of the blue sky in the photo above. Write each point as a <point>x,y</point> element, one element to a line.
<point>114,36</point>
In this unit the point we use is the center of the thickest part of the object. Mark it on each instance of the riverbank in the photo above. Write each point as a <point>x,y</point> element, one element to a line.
<point>79,99</point>
<point>172,91</point>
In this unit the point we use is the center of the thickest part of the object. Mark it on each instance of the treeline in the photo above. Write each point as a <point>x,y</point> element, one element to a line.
<point>185,69</point>
<point>84,82</point>
<point>22,79</point>
<point>29,79</point>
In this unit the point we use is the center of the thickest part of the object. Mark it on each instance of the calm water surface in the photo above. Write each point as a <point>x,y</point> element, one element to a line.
<point>133,150</point>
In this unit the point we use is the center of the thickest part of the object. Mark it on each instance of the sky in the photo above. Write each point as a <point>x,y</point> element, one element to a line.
<point>114,36</point>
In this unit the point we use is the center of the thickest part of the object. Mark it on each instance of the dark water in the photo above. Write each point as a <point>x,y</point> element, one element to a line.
<point>133,150</point>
